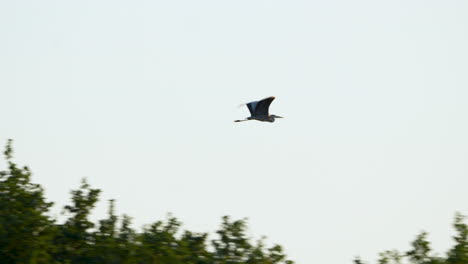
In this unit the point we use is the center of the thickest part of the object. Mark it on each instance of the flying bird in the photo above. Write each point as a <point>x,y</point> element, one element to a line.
<point>259,111</point>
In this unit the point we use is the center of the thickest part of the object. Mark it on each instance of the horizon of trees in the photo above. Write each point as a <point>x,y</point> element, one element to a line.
<point>28,234</point>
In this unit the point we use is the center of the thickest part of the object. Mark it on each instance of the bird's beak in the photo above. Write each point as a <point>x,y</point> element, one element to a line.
<point>279,117</point>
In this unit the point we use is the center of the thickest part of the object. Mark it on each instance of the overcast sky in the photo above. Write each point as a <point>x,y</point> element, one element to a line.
<point>139,97</point>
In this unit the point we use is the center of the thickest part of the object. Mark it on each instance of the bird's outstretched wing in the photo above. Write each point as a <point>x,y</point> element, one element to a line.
<point>262,106</point>
<point>252,106</point>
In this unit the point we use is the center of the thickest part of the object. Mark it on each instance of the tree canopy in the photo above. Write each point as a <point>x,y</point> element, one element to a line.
<point>29,235</point>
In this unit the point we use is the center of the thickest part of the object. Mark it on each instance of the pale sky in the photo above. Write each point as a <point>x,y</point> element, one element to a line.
<point>139,98</point>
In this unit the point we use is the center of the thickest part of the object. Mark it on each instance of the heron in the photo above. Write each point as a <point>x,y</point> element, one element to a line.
<point>259,111</point>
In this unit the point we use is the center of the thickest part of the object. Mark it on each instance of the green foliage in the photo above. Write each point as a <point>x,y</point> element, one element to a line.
<point>234,247</point>
<point>390,257</point>
<point>421,250</point>
<point>459,253</point>
<point>106,247</point>
<point>193,248</point>
<point>126,241</point>
<point>25,229</point>
<point>74,241</point>
<point>159,243</point>
<point>28,235</point>
<point>357,260</point>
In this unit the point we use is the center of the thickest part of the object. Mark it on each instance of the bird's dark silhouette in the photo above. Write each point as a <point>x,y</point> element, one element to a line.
<point>259,111</point>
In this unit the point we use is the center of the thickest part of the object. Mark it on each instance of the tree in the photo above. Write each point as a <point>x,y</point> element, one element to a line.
<point>421,248</point>
<point>459,253</point>
<point>158,243</point>
<point>106,249</point>
<point>260,254</point>
<point>390,257</point>
<point>358,260</point>
<point>126,241</point>
<point>233,245</point>
<point>420,254</point>
<point>29,235</point>
<point>192,248</point>
<point>75,240</point>
<point>25,228</point>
